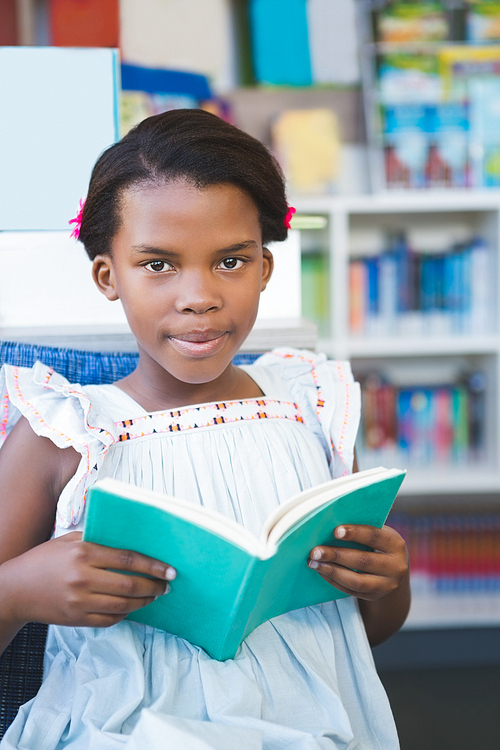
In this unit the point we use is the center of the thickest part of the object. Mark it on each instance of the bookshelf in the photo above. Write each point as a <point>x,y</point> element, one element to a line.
<point>477,212</point>
<point>423,357</point>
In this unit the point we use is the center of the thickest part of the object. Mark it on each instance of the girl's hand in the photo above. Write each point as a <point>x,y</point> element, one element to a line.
<point>66,581</point>
<point>367,575</point>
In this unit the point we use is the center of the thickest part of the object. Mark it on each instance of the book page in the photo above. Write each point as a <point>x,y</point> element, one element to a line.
<point>288,514</point>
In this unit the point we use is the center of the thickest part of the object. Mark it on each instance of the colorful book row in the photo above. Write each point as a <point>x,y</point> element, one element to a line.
<point>441,425</point>
<point>403,292</point>
<point>447,144</point>
<point>452,553</point>
<point>436,21</point>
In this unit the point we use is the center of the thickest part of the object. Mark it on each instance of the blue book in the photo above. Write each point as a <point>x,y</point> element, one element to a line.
<point>372,267</point>
<point>406,127</point>
<point>404,422</point>
<point>466,289</point>
<point>162,81</point>
<point>388,293</point>
<point>401,254</point>
<point>280,42</point>
<point>420,418</point>
<point>484,93</point>
<point>428,284</point>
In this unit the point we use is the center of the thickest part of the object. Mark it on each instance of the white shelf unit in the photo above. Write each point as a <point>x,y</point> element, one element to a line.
<point>481,211</point>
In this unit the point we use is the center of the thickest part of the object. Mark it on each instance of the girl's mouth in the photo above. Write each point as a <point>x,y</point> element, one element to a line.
<point>198,345</point>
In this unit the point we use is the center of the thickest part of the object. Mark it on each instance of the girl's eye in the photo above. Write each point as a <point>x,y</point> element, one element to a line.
<point>157,265</point>
<point>230,264</point>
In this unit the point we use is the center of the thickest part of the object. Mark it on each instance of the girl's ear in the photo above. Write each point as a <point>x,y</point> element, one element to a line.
<point>103,275</point>
<point>267,268</point>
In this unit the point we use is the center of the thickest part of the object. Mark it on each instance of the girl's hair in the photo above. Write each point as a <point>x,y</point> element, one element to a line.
<point>186,144</point>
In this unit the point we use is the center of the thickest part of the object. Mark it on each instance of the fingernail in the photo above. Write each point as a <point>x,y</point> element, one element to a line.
<point>313,564</point>
<point>316,554</point>
<point>167,589</point>
<point>340,532</point>
<point>170,574</point>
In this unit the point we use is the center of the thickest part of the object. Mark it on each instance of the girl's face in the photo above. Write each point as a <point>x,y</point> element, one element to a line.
<point>189,266</point>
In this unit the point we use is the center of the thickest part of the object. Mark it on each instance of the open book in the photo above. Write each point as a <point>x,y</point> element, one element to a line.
<point>229,581</point>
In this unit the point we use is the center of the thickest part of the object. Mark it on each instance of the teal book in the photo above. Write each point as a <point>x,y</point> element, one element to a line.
<point>280,42</point>
<point>229,581</point>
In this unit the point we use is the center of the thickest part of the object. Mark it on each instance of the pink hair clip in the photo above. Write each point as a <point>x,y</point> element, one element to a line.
<point>77,221</point>
<point>288,217</point>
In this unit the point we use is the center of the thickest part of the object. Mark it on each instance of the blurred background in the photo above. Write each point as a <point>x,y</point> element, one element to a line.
<point>386,119</point>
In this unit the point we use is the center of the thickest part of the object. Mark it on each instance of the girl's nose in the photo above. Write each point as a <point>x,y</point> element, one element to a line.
<point>197,294</point>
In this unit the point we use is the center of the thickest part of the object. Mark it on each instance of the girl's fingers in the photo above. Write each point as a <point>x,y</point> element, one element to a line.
<point>364,561</point>
<point>117,606</point>
<point>364,573</point>
<point>117,584</point>
<point>98,556</point>
<point>355,584</point>
<point>383,540</point>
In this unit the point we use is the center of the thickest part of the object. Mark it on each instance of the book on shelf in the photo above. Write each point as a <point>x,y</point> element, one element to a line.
<point>442,424</point>
<point>403,22</point>
<point>307,144</point>
<point>280,42</point>
<point>228,580</point>
<point>315,277</point>
<point>402,291</point>
<point>452,553</point>
<point>484,131</point>
<point>94,23</point>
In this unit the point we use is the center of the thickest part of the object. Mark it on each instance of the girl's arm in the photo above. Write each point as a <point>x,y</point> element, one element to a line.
<point>60,581</point>
<point>380,579</point>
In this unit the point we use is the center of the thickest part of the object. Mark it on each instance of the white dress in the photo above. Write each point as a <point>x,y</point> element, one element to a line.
<point>302,681</point>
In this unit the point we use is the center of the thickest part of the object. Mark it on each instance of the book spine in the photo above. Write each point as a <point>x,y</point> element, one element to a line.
<point>480,276</point>
<point>388,293</point>
<point>372,295</point>
<point>443,430</point>
<point>240,619</point>
<point>357,296</point>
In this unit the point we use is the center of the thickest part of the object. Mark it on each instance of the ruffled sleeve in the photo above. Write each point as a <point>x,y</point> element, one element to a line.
<point>63,413</point>
<point>328,396</point>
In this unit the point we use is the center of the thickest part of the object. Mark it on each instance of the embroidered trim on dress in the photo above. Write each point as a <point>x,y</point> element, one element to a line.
<point>4,416</point>
<point>179,420</point>
<point>320,402</point>
<point>347,414</point>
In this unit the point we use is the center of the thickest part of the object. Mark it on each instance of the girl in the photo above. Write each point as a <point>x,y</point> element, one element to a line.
<point>176,222</point>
